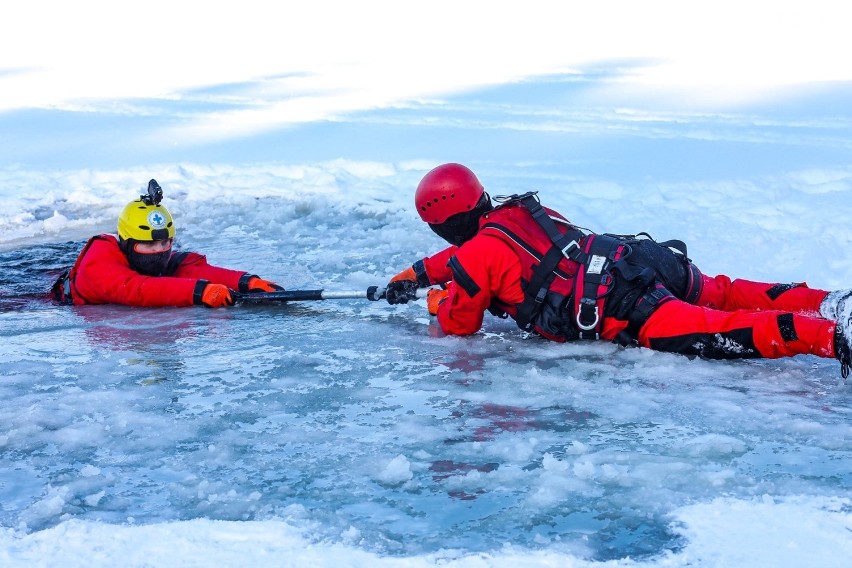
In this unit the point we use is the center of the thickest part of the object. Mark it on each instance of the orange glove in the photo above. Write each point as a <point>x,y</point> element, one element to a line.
<point>256,284</point>
<point>434,298</point>
<point>407,274</point>
<point>216,296</point>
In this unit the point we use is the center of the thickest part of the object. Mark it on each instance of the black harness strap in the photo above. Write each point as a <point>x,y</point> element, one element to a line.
<point>462,278</point>
<point>596,255</point>
<point>536,290</point>
<point>524,245</point>
<point>594,281</point>
<point>566,242</point>
<point>565,245</point>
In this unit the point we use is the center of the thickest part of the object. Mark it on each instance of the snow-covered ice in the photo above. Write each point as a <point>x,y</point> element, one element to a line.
<point>351,433</point>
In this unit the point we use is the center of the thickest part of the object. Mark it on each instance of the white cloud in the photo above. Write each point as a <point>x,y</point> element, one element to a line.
<point>311,61</point>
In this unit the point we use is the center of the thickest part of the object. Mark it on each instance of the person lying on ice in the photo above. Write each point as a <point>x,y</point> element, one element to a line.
<point>139,268</point>
<point>528,262</point>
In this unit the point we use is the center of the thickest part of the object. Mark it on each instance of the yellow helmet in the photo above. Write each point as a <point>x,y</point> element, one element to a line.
<point>145,219</point>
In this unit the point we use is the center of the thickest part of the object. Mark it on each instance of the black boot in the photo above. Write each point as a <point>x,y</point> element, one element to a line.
<point>842,350</point>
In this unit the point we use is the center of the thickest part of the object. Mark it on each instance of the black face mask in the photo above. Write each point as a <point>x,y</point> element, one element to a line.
<point>152,264</point>
<point>149,264</point>
<point>462,227</point>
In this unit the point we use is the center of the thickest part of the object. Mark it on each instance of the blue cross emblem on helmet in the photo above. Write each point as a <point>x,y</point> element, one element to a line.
<point>156,219</point>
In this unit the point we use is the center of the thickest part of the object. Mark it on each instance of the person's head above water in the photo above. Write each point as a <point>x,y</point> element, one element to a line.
<point>146,231</point>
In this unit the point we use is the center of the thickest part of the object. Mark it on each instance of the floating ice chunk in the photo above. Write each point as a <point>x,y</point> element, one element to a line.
<point>94,499</point>
<point>551,464</point>
<point>89,470</point>
<point>767,531</point>
<point>50,506</point>
<point>397,471</point>
<point>55,223</point>
<point>615,474</point>
<point>720,478</point>
<point>584,469</point>
<point>559,479</point>
<point>715,446</point>
<point>351,535</point>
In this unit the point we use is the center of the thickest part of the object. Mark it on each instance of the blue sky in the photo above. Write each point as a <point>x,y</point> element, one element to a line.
<point>612,85</point>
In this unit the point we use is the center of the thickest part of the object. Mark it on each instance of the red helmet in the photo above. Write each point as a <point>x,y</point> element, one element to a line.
<point>445,191</point>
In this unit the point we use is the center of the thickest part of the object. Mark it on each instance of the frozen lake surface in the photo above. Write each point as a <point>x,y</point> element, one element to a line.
<point>349,429</point>
<point>288,139</point>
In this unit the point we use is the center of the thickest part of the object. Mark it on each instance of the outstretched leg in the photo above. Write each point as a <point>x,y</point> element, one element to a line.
<point>722,293</point>
<point>680,327</point>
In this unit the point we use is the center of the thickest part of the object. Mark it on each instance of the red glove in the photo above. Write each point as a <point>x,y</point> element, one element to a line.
<point>407,274</point>
<point>256,284</point>
<point>216,296</point>
<point>434,298</point>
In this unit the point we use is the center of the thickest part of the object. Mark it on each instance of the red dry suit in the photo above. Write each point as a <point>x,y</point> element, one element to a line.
<point>670,306</point>
<point>102,275</point>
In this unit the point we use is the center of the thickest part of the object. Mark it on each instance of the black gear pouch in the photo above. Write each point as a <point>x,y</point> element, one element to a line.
<point>647,263</point>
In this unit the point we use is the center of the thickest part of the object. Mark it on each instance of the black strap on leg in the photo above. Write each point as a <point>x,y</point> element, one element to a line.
<point>645,306</point>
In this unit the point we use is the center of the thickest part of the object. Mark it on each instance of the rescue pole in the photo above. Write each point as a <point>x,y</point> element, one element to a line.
<point>373,293</point>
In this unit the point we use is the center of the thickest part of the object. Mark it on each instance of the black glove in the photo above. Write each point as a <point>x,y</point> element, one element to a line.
<point>401,291</point>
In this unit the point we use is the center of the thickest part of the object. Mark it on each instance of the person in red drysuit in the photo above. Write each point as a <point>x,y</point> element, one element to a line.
<point>528,262</point>
<point>140,268</point>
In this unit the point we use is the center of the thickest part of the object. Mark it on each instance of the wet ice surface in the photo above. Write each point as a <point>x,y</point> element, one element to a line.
<point>358,421</point>
<point>346,428</point>
<point>345,433</point>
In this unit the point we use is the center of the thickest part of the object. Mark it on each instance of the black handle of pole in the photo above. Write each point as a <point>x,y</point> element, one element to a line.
<point>373,293</point>
<point>282,296</point>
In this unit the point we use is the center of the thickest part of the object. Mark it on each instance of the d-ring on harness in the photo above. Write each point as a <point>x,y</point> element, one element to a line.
<point>594,253</point>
